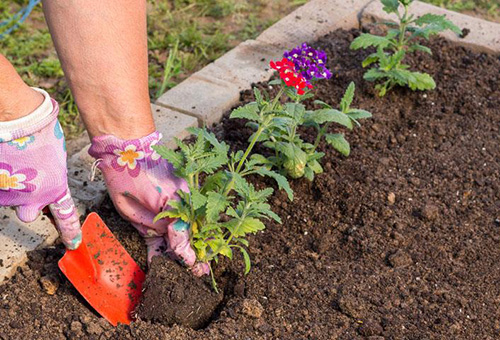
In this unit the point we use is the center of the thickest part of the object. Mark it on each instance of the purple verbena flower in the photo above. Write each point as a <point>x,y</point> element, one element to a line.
<point>309,62</point>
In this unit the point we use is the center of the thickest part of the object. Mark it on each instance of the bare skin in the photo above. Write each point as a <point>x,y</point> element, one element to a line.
<point>16,98</point>
<point>102,46</point>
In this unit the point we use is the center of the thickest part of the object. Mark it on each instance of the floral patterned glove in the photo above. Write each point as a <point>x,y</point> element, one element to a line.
<point>33,172</point>
<point>140,184</point>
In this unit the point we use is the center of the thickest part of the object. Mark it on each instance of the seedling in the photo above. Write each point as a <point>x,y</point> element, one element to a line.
<point>219,220</point>
<point>401,38</point>
<point>293,156</point>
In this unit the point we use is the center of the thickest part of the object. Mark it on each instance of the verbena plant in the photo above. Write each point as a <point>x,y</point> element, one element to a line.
<point>221,207</point>
<point>401,38</point>
<point>293,156</point>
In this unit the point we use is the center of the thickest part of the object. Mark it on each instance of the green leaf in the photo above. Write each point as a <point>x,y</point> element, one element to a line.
<point>309,174</point>
<point>359,114</point>
<point>346,100</point>
<point>415,80</point>
<point>366,40</point>
<point>257,159</point>
<point>246,259</point>
<point>280,180</point>
<point>242,241</point>
<point>231,212</point>
<point>418,47</point>
<point>170,155</point>
<point>166,214</point>
<point>339,143</point>
<point>249,111</point>
<point>219,246</point>
<point>372,58</point>
<point>275,82</point>
<point>214,182</point>
<point>315,156</point>
<point>258,95</point>
<point>374,74</point>
<point>322,116</point>
<point>216,203</point>
<point>197,199</point>
<point>322,103</point>
<point>316,167</point>
<point>296,111</point>
<point>240,228</point>
<point>390,6</point>
<point>431,24</point>
<point>421,81</point>
<point>438,22</point>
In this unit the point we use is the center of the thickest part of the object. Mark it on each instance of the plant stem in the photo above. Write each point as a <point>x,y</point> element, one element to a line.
<point>214,283</point>
<point>321,133</point>
<point>402,28</point>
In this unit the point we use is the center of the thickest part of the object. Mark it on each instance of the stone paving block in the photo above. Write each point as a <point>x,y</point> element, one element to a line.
<point>246,64</point>
<point>312,21</point>
<point>484,36</point>
<point>17,238</point>
<point>172,124</point>
<point>205,99</point>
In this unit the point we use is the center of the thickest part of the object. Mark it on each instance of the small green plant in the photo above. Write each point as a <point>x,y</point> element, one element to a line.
<point>221,206</point>
<point>293,156</point>
<point>401,38</point>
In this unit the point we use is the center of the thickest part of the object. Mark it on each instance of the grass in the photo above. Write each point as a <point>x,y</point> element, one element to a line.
<point>183,36</point>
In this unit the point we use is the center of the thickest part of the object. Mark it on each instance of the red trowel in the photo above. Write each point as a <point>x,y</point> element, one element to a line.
<point>104,273</point>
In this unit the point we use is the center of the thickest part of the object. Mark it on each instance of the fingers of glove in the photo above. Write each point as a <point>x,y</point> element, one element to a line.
<point>178,243</point>
<point>139,215</point>
<point>200,269</point>
<point>67,221</point>
<point>28,213</point>
<point>156,247</point>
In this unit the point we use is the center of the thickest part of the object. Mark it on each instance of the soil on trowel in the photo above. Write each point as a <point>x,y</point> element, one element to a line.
<point>401,240</point>
<point>172,295</point>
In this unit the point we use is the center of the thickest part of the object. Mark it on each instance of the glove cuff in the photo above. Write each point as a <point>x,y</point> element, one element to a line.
<point>45,114</point>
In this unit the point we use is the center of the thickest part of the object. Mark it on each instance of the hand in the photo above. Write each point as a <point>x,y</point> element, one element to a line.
<point>140,184</point>
<point>33,172</point>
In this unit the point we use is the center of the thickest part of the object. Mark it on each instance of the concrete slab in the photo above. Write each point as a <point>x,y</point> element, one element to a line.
<point>484,36</point>
<point>312,21</point>
<point>17,238</point>
<point>246,64</point>
<point>172,124</point>
<point>205,99</point>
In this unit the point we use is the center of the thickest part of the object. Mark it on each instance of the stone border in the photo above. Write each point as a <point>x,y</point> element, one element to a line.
<point>205,96</point>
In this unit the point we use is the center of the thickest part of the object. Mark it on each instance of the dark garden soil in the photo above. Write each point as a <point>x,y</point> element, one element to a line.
<point>399,241</point>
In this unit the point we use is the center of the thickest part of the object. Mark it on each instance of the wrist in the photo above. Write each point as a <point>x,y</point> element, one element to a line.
<point>34,121</point>
<point>19,103</point>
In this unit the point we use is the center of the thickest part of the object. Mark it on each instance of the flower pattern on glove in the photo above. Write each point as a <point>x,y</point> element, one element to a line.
<point>22,143</point>
<point>16,180</point>
<point>129,155</point>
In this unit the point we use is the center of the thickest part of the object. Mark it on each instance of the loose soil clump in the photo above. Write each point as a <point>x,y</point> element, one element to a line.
<point>399,241</point>
<point>172,295</point>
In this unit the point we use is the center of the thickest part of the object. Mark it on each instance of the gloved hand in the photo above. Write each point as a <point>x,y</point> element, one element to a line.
<point>140,184</point>
<point>33,172</point>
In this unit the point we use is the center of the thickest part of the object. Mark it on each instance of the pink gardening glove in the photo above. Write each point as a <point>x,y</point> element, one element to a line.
<point>140,184</point>
<point>33,172</point>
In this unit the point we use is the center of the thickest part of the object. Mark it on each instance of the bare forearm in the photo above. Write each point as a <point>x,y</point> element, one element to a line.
<point>16,98</point>
<point>102,46</point>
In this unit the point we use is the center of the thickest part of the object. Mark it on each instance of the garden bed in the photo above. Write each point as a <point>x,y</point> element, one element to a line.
<point>400,240</point>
